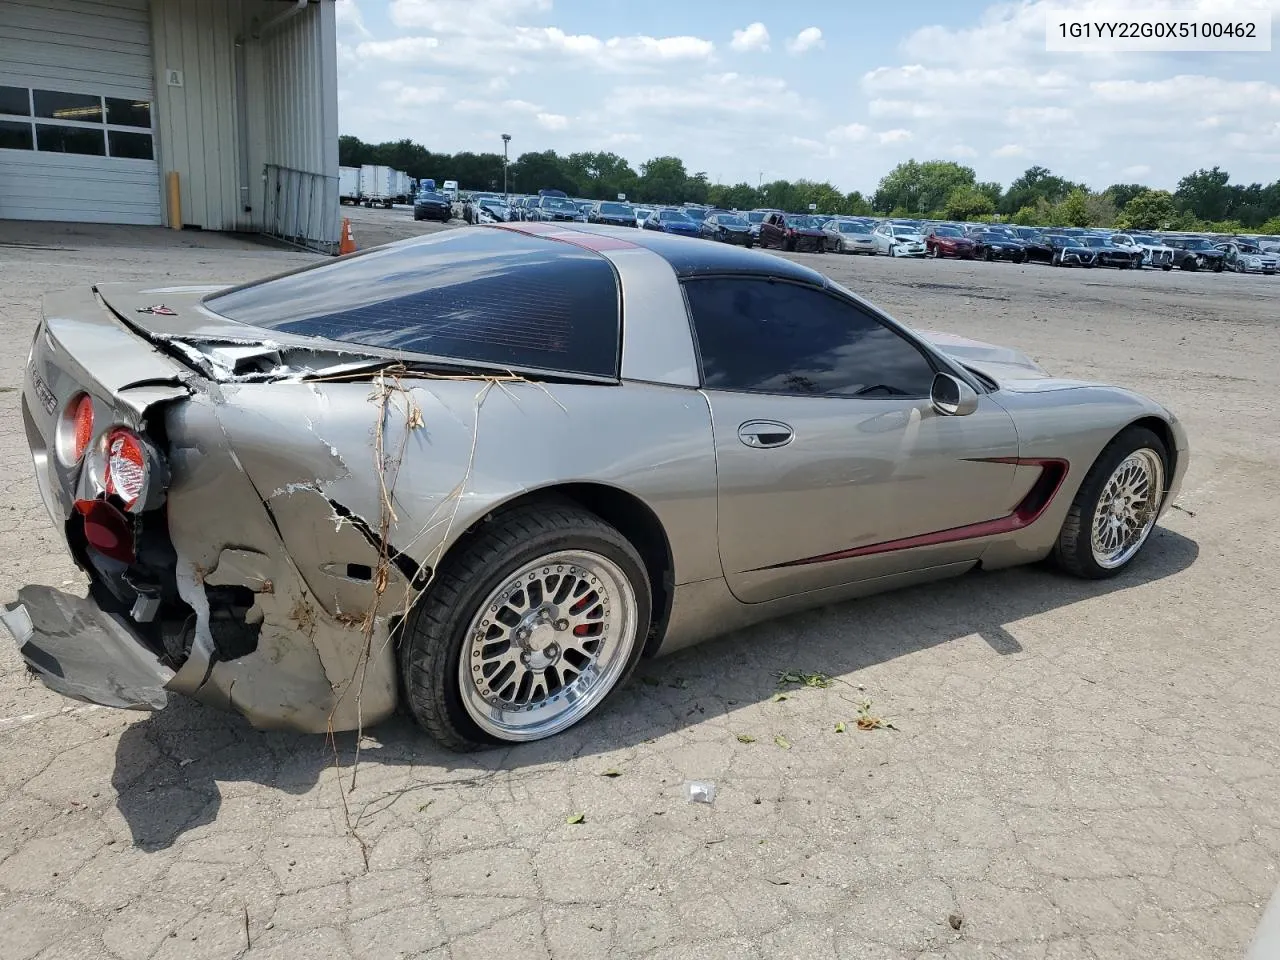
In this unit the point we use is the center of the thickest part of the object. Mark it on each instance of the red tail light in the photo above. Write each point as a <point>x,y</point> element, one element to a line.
<point>82,419</point>
<point>126,471</point>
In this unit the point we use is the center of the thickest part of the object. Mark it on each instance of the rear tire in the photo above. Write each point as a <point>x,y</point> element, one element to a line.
<point>1106,529</point>
<point>442,635</point>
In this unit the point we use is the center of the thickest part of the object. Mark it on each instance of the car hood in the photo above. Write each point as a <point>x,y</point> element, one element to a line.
<point>909,237</point>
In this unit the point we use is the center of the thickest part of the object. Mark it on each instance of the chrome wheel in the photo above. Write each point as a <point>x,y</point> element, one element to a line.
<point>1127,508</point>
<point>548,645</point>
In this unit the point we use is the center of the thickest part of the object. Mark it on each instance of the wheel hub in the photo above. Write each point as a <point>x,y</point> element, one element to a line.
<point>1127,508</point>
<point>547,645</point>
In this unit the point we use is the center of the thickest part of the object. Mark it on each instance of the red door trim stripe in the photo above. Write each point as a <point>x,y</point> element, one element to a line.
<point>1052,473</point>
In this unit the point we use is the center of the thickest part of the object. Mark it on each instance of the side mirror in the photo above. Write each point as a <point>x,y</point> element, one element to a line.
<point>952,397</point>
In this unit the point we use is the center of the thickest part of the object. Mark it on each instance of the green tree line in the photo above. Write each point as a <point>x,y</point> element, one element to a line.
<point>938,189</point>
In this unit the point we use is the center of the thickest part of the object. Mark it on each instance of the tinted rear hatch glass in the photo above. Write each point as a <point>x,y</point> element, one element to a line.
<point>487,295</point>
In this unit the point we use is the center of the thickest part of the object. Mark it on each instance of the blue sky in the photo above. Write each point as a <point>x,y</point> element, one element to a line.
<point>833,90</point>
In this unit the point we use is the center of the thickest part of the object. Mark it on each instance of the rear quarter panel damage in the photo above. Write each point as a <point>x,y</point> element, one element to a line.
<point>287,488</point>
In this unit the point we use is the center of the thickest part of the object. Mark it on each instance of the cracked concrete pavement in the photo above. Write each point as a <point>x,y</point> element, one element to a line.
<point>1080,771</point>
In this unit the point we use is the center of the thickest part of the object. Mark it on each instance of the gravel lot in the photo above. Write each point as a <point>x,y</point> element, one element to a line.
<point>1078,770</point>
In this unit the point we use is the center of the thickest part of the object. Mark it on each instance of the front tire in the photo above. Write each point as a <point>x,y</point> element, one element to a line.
<point>1116,507</point>
<point>526,630</point>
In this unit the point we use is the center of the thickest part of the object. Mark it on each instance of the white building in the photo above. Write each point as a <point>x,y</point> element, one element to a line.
<point>102,101</point>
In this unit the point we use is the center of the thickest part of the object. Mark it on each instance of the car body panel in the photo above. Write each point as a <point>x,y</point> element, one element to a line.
<point>788,231</point>
<point>898,240</point>
<point>871,494</point>
<point>949,245</point>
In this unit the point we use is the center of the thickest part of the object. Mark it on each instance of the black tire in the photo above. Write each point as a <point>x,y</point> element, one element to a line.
<point>1167,267</point>
<point>1073,552</point>
<point>433,635</point>
<point>1189,264</point>
<point>1055,261</point>
<point>1217,266</point>
<point>987,256</point>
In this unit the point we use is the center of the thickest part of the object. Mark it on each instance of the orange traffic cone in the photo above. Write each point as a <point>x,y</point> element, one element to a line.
<point>348,242</point>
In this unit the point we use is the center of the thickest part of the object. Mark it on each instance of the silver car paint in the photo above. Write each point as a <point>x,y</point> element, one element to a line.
<point>304,505</point>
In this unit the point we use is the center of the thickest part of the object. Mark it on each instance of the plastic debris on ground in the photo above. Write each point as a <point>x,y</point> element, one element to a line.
<point>700,791</point>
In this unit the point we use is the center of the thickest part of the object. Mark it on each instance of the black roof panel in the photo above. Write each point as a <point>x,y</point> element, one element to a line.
<point>690,256</point>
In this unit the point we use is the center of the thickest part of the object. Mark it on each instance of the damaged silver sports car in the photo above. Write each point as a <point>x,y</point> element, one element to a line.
<point>481,473</point>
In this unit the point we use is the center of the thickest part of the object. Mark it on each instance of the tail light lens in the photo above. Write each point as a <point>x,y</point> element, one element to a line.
<point>126,470</point>
<point>83,419</point>
<point>75,431</point>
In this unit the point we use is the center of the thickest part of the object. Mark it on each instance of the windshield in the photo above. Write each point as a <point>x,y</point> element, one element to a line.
<point>847,227</point>
<point>616,210</point>
<point>695,213</point>
<point>803,223</point>
<point>1151,241</point>
<point>432,195</point>
<point>1199,243</point>
<point>1096,241</point>
<point>905,231</point>
<point>1068,241</point>
<point>1248,248</point>
<point>559,205</point>
<point>946,232</point>
<point>756,216</point>
<point>730,220</point>
<point>673,215</point>
<point>994,237</point>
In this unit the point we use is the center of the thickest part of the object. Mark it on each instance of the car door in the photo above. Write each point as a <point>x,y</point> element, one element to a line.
<point>882,238</point>
<point>833,466</point>
<point>766,231</point>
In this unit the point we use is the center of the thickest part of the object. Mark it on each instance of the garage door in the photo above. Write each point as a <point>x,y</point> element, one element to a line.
<point>76,93</point>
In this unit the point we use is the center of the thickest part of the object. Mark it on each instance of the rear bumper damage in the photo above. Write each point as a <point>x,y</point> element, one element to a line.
<point>80,651</point>
<point>249,586</point>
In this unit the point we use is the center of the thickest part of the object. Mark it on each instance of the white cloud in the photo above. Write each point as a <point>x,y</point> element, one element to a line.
<point>961,150</point>
<point>407,95</point>
<point>552,121</point>
<point>1010,150</point>
<point>400,50</point>
<point>1137,170</point>
<point>849,133</point>
<point>463,16</point>
<point>810,38</point>
<point>894,136</point>
<point>753,37</point>
<point>711,94</point>
<point>347,13</point>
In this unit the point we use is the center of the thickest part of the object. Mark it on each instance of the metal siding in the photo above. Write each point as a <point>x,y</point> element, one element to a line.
<point>198,120</point>
<point>294,99</point>
<point>67,187</point>
<point>78,46</point>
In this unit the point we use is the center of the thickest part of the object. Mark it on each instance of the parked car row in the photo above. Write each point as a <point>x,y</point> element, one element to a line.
<point>895,237</point>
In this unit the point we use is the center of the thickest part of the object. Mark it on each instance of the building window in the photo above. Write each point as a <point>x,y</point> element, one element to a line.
<point>68,106</point>
<point>128,113</point>
<point>59,139</point>
<point>15,135</point>
<point>15,101</point>
<point>50,121</point>
<point>134,145</point>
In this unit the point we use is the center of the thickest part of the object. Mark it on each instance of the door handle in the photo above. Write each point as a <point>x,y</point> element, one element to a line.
<point>765,433</point>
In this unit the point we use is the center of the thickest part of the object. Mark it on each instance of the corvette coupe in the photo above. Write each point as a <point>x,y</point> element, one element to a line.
<point>481,473</point>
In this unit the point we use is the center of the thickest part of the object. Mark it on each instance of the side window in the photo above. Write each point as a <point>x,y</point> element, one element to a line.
<point>770,336</point>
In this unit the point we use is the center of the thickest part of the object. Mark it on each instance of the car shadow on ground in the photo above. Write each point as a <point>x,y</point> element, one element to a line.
<point>169,767</point>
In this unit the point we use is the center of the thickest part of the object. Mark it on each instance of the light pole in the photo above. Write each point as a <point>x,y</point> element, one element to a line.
<point>506,138</point>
